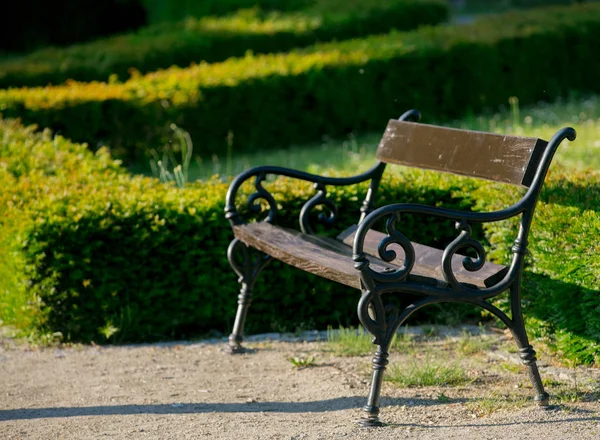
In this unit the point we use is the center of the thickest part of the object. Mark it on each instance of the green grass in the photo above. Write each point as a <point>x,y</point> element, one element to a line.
<point>357,153</point>
<point>469,345</point>
<point>300,362</point>
<point>357,342</point>
<point>427,373</point>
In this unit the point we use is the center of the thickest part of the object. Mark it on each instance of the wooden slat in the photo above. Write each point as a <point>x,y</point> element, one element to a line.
<point>322,256</point>
<point>428,260</point>
<point>332,259</point>
<point>509,159</point>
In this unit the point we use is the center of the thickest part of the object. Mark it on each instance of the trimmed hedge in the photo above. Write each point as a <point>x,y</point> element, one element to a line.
<point>175,10</point>
<point>89,251</point>
<point>215,39</point>
<point>276,100</point>
<point>89,248</point>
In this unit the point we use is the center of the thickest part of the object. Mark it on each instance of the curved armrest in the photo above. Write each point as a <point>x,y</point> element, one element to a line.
<point>261,173</point>
<point>462,241</point>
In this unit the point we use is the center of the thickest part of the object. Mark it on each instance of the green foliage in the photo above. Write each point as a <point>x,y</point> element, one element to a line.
<point>175,10</point>
<point>562,281</point>
<point>299,362</point>
<point>213,38</point>
<point>93,254</point>
<point>427,373</point>
<point>92,249</point>
<point>278,99</point>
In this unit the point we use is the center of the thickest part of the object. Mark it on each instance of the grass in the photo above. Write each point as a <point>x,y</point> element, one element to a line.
<point>469,345</point>
<point>357,342</point>
<point>357,153</point>
<point>488,405</point>
<point>427,373</point>
<point>302,362</point>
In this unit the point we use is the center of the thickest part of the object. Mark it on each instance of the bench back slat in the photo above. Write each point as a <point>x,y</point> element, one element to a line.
<point>508,159</point>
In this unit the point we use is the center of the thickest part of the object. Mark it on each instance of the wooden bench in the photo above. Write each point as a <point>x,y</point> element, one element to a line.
<point>381,264</point>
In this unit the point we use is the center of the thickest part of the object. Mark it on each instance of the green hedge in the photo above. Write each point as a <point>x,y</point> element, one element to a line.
<point>88,250</point>
<point>175,10</point>
<point>279,99</point>
<point>215,39</point>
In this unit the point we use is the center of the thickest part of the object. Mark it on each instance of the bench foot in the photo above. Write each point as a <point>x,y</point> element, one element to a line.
<point>370,421</point>
<point>542,400</point>
<point>235,348</point>
<point>247,264</point>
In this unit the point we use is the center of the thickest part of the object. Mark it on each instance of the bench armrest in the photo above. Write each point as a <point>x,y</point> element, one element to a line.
<point>462,241</point>
<point>259,174</point>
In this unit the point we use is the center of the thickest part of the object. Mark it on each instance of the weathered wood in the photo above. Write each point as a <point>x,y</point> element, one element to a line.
<point>321,256</point>
<point>332,259</point>
<point>428,260</point>
<point>509,159</point>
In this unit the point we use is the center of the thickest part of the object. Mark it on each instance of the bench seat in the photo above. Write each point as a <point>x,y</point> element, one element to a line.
<point>332,258</point>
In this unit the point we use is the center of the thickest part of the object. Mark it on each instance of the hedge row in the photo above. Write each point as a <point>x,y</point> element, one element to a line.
<point>89,248</point>
<point>215,39</point>
<point>94,254</point>
<point>175,10</point>
<point>280,99</point>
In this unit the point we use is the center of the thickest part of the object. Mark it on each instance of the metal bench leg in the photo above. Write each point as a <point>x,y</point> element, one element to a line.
<point>247,264</point>
<point>526,351</point>
<point>380,361</point>
<point>372,315</point>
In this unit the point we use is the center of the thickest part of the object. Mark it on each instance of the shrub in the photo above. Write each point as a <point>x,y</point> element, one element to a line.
<point>175,10</point>
<point>279,99</point>
<point>92,249</point>
<point>95,254</point>
<point>214,39</point>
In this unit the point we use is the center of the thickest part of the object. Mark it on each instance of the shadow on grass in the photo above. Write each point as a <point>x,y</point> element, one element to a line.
<point>578,194</point>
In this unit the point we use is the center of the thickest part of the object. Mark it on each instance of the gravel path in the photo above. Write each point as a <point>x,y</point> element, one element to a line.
<point>190,391</point>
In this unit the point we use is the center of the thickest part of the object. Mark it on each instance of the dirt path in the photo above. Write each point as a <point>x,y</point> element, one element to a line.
<point>189,391</point>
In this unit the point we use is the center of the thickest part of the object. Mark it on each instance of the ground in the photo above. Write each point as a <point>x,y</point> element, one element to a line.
<point>194,390</point>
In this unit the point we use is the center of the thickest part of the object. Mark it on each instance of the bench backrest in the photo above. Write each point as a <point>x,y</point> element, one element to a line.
<point>509,159</point>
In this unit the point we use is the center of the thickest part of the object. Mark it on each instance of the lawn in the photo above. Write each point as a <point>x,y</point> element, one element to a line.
<point>357,152</point>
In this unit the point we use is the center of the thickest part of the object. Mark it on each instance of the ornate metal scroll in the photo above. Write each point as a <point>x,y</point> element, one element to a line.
<point>463,241</point>
<point>262,194</point>
<point>394,237</point>
<point>319,199</point>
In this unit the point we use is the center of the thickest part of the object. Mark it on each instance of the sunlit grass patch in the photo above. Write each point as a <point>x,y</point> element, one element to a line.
<point>469,344</point>
<point>358,342</point>
<point>357,153</point>
<point>427,373</point>
<point>496,401</point>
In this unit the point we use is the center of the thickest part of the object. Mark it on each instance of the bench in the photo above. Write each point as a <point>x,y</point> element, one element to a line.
<point>380,264</point>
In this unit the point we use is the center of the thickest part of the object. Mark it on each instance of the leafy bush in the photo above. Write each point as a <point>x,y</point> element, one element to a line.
<point>88,251</point>
<point>91,249</point>
<point>562,282</point>
<point>175,10</point>
<point>279,99</point>
<point>214,39</point>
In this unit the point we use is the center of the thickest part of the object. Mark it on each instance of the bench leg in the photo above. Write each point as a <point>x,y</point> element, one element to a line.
<point>526,351</point>
<point>380,361</point>
<point>374,317</point>
<point>247,264</point>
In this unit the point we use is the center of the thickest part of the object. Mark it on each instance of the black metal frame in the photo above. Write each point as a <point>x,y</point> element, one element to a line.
<point>382,321</point>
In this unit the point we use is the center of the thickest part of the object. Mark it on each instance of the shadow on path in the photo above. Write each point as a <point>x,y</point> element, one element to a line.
<point>337,404</point>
